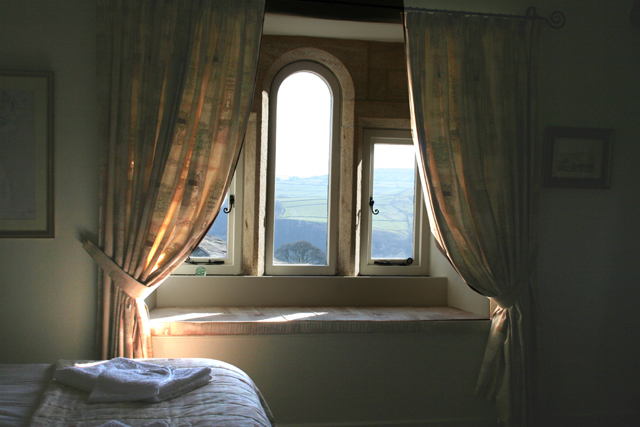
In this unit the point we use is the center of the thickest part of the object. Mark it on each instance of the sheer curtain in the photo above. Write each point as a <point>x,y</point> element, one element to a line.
<point>176,81</point>
<point>471,84</point>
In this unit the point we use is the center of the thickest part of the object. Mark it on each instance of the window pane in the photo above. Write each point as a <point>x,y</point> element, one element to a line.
<point>303,146</point>
<point>394,194</point>
<point>214,244</point>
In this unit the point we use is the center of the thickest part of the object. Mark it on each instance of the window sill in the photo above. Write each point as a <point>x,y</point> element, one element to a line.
<point>203,321</point>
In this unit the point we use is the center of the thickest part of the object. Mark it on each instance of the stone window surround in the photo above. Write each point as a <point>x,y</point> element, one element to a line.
<point>255,153</point>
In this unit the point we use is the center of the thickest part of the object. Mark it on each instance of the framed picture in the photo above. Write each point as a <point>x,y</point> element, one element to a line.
<point>26,155</point>
<point>577,157</point>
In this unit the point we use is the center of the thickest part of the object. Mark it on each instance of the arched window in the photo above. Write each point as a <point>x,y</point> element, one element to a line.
<point>303,166</point>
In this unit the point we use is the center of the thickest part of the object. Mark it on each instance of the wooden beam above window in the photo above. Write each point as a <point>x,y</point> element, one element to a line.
<point>385,11</point>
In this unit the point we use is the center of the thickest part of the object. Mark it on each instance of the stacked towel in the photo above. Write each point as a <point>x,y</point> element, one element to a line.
<point>126,380</point>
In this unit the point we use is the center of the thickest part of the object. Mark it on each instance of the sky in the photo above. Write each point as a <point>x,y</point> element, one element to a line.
<point>394,156</point>
<point>303,130</point>
<point>303,126</point>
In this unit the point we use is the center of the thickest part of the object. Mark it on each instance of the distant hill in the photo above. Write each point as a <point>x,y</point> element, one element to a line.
<point>301,214</point>
<point>305,200</point>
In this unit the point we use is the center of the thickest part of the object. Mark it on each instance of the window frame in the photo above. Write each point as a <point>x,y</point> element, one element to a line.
<point>327,75</point>
<point>233,263</point>
<point>420,265</point>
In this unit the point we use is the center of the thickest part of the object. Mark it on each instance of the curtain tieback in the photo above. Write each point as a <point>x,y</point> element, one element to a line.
<point>128,284</point>
<point>507,299</point>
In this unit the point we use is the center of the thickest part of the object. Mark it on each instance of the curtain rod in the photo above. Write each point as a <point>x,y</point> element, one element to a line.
<point>556,20</point>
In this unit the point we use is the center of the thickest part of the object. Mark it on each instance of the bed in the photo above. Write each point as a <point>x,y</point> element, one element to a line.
<point>30,397</point>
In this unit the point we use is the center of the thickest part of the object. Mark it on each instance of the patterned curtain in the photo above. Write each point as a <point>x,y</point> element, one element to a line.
<point>471,85</point>
<point>176,80</point>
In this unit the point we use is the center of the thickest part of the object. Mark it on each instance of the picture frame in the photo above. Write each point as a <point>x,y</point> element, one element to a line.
<point>26,155</point>
<point>577,157</point>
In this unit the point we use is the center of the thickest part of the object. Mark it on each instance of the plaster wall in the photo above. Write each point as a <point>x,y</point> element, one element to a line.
<point>48,286</point>
<point>357,379</point>
<point>588,269</point>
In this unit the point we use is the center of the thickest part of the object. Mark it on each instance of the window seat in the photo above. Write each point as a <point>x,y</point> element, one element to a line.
<point>203,321</point>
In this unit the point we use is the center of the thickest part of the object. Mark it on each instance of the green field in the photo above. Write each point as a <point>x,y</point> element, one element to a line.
<point>303,209</point>
<point>304,199</point>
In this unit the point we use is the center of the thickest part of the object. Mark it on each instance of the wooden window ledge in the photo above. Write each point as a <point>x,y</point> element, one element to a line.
<point>194,321</point>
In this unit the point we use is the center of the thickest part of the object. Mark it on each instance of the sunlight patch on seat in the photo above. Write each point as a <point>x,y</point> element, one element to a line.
<point>186,317</point>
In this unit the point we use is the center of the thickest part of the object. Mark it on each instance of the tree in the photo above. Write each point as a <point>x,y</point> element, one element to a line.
<point>300,252</point>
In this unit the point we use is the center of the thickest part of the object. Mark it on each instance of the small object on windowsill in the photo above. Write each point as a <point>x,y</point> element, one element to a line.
<point>409,261</point>
<point>201,271</point>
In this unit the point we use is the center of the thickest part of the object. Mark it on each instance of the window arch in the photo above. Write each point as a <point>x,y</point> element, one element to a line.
<point>349,201</point>
<point>303,171</point>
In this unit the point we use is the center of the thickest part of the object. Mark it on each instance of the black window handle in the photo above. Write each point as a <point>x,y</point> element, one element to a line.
<point>409,261</point>
<point>208,262</point>
<point>231,202</point>
<point>371,202</point>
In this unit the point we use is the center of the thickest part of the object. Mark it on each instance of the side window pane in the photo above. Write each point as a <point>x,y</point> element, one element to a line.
<point>392,229</point>
<point>302,165</point>
<point>214,245</point>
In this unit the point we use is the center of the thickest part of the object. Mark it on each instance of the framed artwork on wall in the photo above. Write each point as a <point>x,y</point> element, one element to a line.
<point>577,157</point>
<point>26,155</point>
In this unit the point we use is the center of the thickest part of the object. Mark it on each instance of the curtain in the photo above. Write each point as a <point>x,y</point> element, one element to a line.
<point>176,80</point>
<point>471,92</point>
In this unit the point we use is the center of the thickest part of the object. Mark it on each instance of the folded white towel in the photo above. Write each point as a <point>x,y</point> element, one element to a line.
<point>184,380</point>
<point>150,383</point>
<point>126,380</point>
<point>83,376</point>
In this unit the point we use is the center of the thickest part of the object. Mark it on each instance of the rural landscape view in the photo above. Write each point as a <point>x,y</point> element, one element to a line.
<point>300,233</point>
<point>303,135</point>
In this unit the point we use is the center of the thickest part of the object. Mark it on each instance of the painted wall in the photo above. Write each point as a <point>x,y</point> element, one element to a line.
<point>358,379</point>
<point>589,269</point>
<point>459,295</point>
<point>47,286</point>
<point>588,263</point>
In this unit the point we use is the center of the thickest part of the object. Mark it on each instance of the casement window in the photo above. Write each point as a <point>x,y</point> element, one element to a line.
<point>304,181</point>
<point>219,252</point>
<point>393,239</point>
<point>302,171</point>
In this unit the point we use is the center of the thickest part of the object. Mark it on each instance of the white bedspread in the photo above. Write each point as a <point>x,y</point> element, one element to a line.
<point>20,388</point>
<point>230,399</point>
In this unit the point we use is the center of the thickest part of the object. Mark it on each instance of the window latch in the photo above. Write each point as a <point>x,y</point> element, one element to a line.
<point>371,202</point>
<point>231,202</point>
<point>207,262</point>
<point>408,261</point>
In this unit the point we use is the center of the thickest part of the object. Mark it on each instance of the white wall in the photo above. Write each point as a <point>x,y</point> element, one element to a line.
<point>589,266</point>
<point>47,286</point>
<point>459,295</point>
<point>424,379</point>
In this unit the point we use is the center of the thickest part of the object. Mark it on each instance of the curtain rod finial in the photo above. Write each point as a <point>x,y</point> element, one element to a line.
<point>556,19</point>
